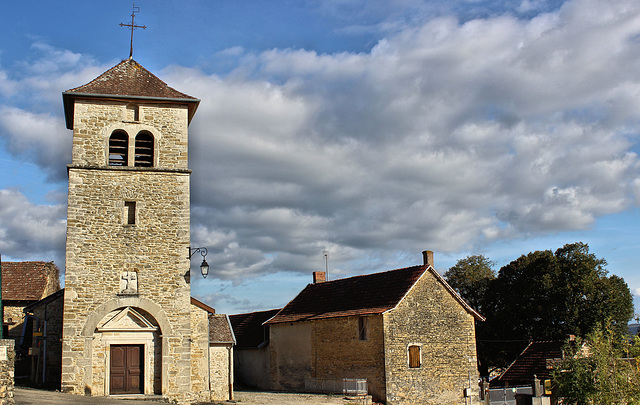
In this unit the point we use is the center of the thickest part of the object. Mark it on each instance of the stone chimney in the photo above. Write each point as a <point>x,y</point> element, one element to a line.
<point>319,277</point>
<point>427,257</point>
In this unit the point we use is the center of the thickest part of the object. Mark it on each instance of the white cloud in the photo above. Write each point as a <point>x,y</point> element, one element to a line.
<point>446,136</point>
<point>39,138</point>
<point>29,231</point>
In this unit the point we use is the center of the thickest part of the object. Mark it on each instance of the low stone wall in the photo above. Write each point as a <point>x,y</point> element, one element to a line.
<point>7,357</point>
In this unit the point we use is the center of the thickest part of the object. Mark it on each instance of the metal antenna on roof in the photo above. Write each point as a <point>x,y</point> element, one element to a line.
<point>325,253</point>
<point>133,26</point>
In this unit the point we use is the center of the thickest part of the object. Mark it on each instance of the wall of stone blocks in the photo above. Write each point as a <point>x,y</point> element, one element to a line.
<point>95,121</point>
<point>338,352</point>
<point>315,356</point>
<point>7,357</point>
<point>101,245</point>
<point>15,317</point>
<point>199,355</point>
<point>221,372</point>
<point>290,356</point>
<point>431,318</point>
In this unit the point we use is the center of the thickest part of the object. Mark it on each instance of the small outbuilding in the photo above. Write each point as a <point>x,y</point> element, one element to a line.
<point>406,332</point>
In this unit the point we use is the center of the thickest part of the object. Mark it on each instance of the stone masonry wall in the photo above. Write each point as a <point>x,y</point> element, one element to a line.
<point>338,352</point>
<point>432,319</point>
<point>199,354</point>
<point>6,372</point>
<point>101,245</point>
<point>15,317</point>
<point>290,356</point>
<point>95,121</point>
<point>221,371</point>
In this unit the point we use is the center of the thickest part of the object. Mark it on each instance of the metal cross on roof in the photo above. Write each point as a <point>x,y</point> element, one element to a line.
<point>133,26</point>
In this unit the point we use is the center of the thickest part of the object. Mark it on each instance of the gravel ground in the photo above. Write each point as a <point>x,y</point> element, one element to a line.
<point>280,398</point>
<point>31,396</point>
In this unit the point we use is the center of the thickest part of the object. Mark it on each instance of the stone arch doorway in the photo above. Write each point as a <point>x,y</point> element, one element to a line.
<point>126,321</point>
<point>127,353</point>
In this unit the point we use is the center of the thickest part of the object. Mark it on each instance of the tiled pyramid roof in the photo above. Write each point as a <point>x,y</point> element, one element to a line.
<point>28,281</point>
<point>537,358</point>
<point>128,79</point>
<point>359,295</point>
<point>248,328</point>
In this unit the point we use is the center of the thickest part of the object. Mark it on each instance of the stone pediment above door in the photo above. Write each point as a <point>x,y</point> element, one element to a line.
<point>126,320</point>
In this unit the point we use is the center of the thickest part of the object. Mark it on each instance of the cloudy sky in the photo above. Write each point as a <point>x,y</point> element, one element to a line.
<point>370,129</point>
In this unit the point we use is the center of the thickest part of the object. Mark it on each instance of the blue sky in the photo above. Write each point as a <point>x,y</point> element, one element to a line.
<point>370,129</point>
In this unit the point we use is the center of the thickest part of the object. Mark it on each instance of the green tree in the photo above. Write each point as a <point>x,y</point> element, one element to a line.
<point>595,370</point>
<point>547,296</point>
<point>470,277</point>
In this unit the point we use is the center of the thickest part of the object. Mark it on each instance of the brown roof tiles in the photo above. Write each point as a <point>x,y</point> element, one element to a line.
<point>29,281</point>
<point>248,328</point>
<point>359,295</point>
<point>220,329</point>
<point>536,359</point>
<point>128,79</point>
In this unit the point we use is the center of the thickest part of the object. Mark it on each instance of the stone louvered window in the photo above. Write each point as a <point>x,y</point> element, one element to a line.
<point>414,356</point>
<point>144,150</point>
<point>119,149</point>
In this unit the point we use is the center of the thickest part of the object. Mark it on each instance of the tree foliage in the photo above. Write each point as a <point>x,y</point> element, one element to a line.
<point>598,370</point>
<point>541,296</point>
<point>470,277</point>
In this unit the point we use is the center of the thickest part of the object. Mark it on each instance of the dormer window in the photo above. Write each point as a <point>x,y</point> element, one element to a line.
<point>119,149</point>
<point>144,150</point>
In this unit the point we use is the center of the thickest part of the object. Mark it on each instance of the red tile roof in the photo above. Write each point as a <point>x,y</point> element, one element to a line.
<point>248,328</point>
<point>128,79</point>
<point>359,295</point>
<point>537,358</point>
<point>28,281</point>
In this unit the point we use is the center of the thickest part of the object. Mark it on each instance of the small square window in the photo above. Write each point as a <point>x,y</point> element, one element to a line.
<point>130,212</point>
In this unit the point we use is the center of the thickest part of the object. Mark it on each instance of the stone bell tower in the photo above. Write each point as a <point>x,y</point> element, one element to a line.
<point>127,293</point>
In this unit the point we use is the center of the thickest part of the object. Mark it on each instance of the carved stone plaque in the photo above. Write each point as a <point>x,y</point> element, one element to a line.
<point>129,282</point>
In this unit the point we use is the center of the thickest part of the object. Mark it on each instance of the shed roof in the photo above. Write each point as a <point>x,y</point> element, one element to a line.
<point>359,295</point>
<point>536,359</point>
<point>28,281</point>
<point>220,329</point>
<point>130,80</point>
<point>248,327</point>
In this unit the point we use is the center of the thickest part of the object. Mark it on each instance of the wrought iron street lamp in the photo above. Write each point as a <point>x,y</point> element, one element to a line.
<point>204,267</point>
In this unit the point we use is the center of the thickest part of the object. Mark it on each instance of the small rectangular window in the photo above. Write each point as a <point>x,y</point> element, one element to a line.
<point>130,212</point>
<point>414,356</point>
<point>363,326</point>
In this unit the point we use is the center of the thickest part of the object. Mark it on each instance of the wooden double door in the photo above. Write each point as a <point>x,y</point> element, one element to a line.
<point>127,369</point>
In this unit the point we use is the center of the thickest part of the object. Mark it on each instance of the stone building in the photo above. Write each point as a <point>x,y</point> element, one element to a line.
<point>130,325</point>
<point>24,283</point>
<point>405,331</point>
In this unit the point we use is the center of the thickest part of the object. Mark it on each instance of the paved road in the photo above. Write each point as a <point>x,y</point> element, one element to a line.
<point>30,396</point>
